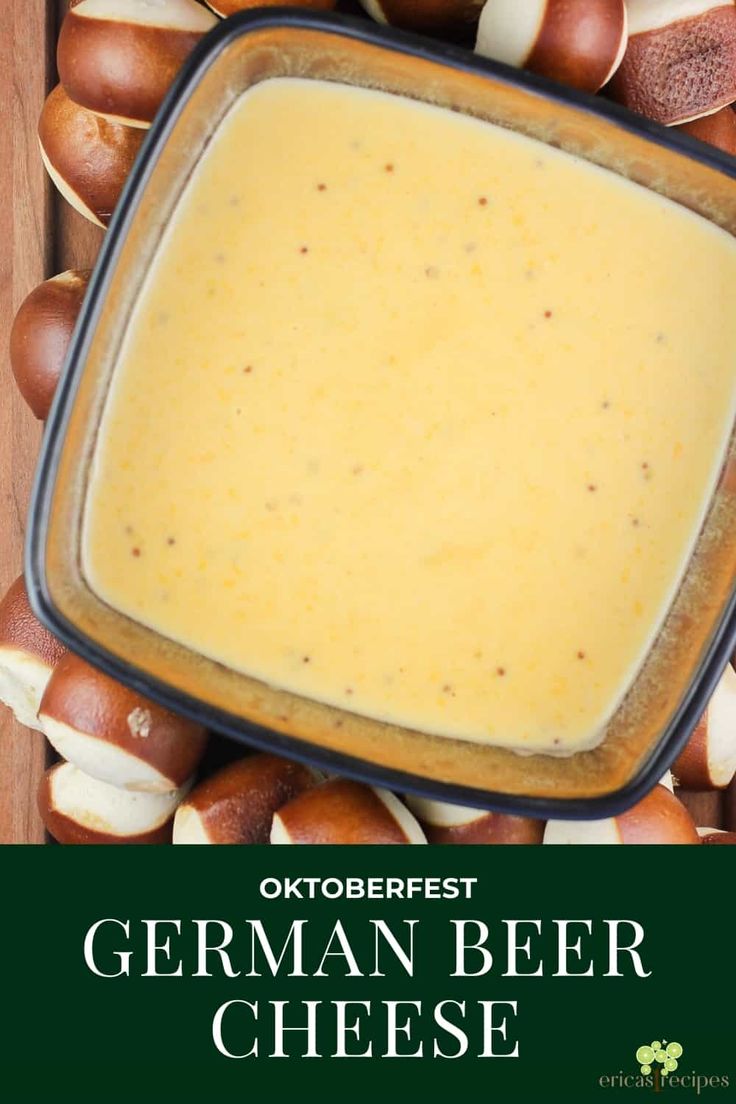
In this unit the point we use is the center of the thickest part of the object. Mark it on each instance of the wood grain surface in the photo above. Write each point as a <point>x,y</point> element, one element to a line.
<point>40,235</point>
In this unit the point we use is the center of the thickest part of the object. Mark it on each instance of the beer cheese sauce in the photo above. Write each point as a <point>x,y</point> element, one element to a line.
<point>415,416</point>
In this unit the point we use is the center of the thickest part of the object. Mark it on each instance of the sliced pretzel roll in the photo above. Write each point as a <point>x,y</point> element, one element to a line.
<point>432,16</point>
<point>78,809</point>
<point>444,823</point>
<point>229,7</point>
<point>578,42</point>
<point>28,654</point>
<point>119,57</point>
<point>717,130</point>
<point>114,734</point>
<point>237,804</point>
<point>341,811</point>
<point>708,761</point>
<point>39,339</point>
<point>680,62</point>
<point>716,835</point>
<point>658,818</point>
<point>87,157</point>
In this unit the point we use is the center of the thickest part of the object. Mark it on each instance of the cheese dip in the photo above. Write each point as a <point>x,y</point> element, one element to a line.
<point>415,416</point>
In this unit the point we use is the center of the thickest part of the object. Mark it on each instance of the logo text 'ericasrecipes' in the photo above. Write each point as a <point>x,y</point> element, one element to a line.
<point>660,1068</point>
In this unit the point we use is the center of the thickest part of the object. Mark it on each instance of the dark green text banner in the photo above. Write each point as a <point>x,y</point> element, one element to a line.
<point>270,975</point>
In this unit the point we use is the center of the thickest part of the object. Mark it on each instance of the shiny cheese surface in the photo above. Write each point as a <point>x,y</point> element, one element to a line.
<point>415,416</point>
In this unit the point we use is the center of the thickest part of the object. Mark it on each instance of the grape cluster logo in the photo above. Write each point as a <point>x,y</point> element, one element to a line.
<point>666,1054</point>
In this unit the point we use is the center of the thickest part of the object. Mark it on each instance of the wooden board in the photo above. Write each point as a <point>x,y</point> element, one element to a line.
<point>39,236</point>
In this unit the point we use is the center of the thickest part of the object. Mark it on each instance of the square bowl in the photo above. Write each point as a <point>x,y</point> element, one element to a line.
<point>694,645</point>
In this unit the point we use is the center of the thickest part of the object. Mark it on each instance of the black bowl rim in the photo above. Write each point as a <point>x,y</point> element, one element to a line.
<point>723,644</point>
